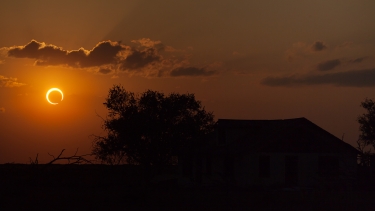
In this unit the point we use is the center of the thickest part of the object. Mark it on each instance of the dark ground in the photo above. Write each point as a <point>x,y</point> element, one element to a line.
<point>100,187</point>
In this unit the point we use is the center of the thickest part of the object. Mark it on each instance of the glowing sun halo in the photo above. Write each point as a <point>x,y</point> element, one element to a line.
<point>52,90</point>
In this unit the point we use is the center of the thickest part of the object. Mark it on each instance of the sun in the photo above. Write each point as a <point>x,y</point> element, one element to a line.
<point>52,90</point>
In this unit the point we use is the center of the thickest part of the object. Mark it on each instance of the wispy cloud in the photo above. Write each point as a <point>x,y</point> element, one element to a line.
<point>328,65</point>
<point>357,60</point>
<point>301,49</point>
<point>147,42</point>
<point>146,58</point>
<point>9,82</point>
<point>354,78</point>
<point>192,71</point>
<point>104,70</point>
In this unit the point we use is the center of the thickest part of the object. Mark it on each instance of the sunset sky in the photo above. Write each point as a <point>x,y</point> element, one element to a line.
<point>243,59</point>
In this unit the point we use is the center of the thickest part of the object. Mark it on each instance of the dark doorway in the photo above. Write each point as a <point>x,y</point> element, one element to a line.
<point>291,170</point>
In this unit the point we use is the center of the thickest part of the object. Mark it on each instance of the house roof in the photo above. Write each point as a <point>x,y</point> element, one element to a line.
<point>286,135</point>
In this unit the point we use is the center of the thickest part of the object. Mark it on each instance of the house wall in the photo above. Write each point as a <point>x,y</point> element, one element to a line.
<point>349,168</point>
<point>212,170</point>
<point>227,135</point>
<point>247,169</point>
<point>372,172</point>
<point>217,169</point>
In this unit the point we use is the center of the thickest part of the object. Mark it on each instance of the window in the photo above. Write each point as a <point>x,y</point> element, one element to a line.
<point>264,166</point>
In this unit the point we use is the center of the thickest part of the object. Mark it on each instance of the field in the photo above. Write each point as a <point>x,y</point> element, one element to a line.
<point>100,187</point>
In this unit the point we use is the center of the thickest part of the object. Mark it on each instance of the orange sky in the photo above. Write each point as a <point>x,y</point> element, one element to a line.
<point>242,59</point>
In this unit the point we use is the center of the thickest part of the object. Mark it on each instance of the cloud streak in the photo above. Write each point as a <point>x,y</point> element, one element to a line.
<point>328,65</point>
<point>354,78</point>
<point>9,82</point>
<point>357,60</point>
<point>302,49</point>
<point>146,58</point>
<point>192,71</point>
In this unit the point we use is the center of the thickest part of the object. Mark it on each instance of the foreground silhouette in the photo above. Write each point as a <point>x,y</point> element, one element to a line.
<point>118,187</point>
<point>366,140</point>
<point>136,123</point>
<point>151,128</point>
<point>73,159</point>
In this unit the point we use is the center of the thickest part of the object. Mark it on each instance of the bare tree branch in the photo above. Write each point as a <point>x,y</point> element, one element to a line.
<point>74,159</point>
<point>99,116</point>
<point>35,161</point>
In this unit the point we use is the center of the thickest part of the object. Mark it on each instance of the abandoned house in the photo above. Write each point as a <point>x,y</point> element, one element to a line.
<point>287,153</point>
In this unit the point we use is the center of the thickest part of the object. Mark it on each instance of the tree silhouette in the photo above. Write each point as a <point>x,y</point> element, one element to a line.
<point>367,137</point>
<point>150,128</point>
<point>367,123</point>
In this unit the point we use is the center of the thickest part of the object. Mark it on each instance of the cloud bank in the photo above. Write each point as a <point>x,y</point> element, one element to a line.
<point>354,78</point>
<point>146,58</point>
<point>9,82</point>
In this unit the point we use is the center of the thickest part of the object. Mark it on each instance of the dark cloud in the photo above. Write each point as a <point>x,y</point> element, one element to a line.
<point>45,55</point>
<point>328,65</point>
<point>103,53</point>
<point>147,58</point>
<point>28,51</point>
<point>357,60</point>
<point>139,59</point>
<point>105,70</point>
<point>318,46</point>
<point>191,71</point>
<point>354,78</point>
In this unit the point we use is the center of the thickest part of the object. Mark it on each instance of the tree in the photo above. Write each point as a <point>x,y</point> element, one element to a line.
<point>367,128</point>
<point>367,123</point>
<point>150,128</point>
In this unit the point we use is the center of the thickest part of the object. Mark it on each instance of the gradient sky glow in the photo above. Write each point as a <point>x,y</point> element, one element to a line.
<point>242,59</point>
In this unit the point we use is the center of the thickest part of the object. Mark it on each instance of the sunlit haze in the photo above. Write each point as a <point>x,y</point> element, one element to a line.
<point>241,59</point>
